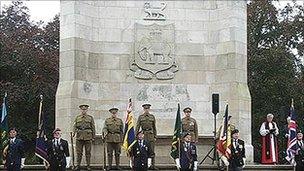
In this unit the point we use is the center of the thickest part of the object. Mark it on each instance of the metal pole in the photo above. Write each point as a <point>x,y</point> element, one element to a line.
<point>73,155</point>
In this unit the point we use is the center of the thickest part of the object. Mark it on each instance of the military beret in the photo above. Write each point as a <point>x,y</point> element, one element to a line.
<point>187,109</point>
<point>83,105</point>
<point>114,109</point>
<point>234,131</point>
<point>146,106</point>
<point>186,134</point>
<point>299,131</point>
<point>55,130</point>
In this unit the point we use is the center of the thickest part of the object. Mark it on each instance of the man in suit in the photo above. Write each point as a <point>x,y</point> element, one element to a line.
<point>141,153</point>
<point>58,152</point>
<point>14,152</point>
<point>299,157</point>
<point>237,159</point>
<point>188,155</point>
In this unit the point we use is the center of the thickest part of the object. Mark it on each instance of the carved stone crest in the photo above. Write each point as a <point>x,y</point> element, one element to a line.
<point>154,51</point>
<point>154,12</point>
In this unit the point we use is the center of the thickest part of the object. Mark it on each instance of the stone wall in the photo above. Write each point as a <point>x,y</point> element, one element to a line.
<point>98,47</point>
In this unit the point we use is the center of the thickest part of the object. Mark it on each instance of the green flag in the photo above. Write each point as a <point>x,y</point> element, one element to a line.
<point>177,135</point>
<point>4,125</point>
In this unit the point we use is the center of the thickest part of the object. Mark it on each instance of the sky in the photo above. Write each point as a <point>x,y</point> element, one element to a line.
<point>39,10</point>
<point>46,10</point>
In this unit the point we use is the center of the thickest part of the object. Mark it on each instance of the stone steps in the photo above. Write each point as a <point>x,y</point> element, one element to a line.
<point>172,168</point>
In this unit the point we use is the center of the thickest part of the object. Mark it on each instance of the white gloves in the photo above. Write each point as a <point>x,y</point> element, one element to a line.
<point>22,162</point>
<point>195,166</point>
<point>149,162</point>
<point>68,161</point>
<point>131,163</point>
<point>244,160</point>
<point>225,160</point>
<point>177,163</point>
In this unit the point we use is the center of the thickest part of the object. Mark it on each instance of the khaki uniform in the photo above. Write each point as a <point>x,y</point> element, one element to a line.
<point>113,131</point>
<point>147,123</point>
<point>189,125</point>
<point>84,128</point>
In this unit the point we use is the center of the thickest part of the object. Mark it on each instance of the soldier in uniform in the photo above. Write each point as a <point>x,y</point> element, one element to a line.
<point>14,153</point>
<point>237,159</point>
<point>189,125</point>
<point>140,153</point>
<point>113,132</point>
<point>84,129</point>
<point>188,154</point>
<point>299,157</point>
<point>58,152</point>
<point>147,122</point>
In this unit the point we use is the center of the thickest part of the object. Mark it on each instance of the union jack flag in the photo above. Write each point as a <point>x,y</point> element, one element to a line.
<point>292,139</point>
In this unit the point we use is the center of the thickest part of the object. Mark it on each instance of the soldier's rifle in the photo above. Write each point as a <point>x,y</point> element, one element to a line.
<point>73,155</point>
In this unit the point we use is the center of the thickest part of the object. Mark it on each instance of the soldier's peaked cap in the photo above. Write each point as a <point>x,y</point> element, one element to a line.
<point>83,105</point>
<point>187,109</point>
<point>114,109</point>
<point>146,106</point>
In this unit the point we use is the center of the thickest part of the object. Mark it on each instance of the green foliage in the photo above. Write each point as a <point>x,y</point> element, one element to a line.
<point>275,71</point>
<point>29,67</point>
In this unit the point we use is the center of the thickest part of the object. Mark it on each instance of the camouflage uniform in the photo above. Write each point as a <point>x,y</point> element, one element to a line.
<point>84,128</point>
<point>147,123</point>
<point>113,131</point>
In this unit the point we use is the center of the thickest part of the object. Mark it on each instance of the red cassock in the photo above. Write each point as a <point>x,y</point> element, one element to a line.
<point>269,132</point>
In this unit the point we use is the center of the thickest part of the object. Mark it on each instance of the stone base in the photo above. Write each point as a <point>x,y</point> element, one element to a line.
<point>172,168</point>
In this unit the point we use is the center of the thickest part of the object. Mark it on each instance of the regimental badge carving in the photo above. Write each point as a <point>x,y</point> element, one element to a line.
<point>154,52</point>
<point>154,12</point>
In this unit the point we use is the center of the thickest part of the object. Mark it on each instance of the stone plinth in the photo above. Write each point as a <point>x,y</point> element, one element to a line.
<point>160,52</point>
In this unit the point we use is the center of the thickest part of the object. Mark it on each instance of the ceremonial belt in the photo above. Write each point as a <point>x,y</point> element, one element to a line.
<point>80,128</point>
<point>147,129</point>
<point>114,132</point>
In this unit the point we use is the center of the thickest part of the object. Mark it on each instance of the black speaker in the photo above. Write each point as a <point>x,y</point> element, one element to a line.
<point>215,103</point>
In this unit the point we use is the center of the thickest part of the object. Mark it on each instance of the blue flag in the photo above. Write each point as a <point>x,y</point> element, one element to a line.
<point>4,125</point>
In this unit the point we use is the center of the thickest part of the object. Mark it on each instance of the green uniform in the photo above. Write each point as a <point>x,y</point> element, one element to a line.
<point>189,125</point>
<point>147,123</point>
<point>113,131</point>
<point>84,128</point>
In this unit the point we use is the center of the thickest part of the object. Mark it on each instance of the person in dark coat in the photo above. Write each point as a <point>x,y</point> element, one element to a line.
<point>237,159</point>
<point>58,152</point>
<point>299,157</point>
<point>14,152</point>
<point>141,153</point>
<point>188,155</point>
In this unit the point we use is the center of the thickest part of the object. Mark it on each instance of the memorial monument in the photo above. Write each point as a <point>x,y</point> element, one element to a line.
<point>157,52</point>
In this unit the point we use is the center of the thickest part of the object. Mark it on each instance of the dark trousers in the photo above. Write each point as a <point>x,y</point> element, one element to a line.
<point>140,169</point>
<point>299,168</point>
<point>57,167</point>
<point>236,168</point>
<point>15,167</point>
<point>186,169</point>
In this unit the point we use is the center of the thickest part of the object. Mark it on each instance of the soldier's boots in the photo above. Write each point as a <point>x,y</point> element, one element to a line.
<point>117,163</point>
<point>110,159</point>
<point>88,160</point>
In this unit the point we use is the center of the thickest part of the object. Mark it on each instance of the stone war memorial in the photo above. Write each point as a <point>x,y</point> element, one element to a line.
<point>157,52</point>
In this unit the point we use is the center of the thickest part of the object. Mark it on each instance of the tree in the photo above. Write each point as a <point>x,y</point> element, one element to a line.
<point>29,67</point>
<point>274,70</point>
